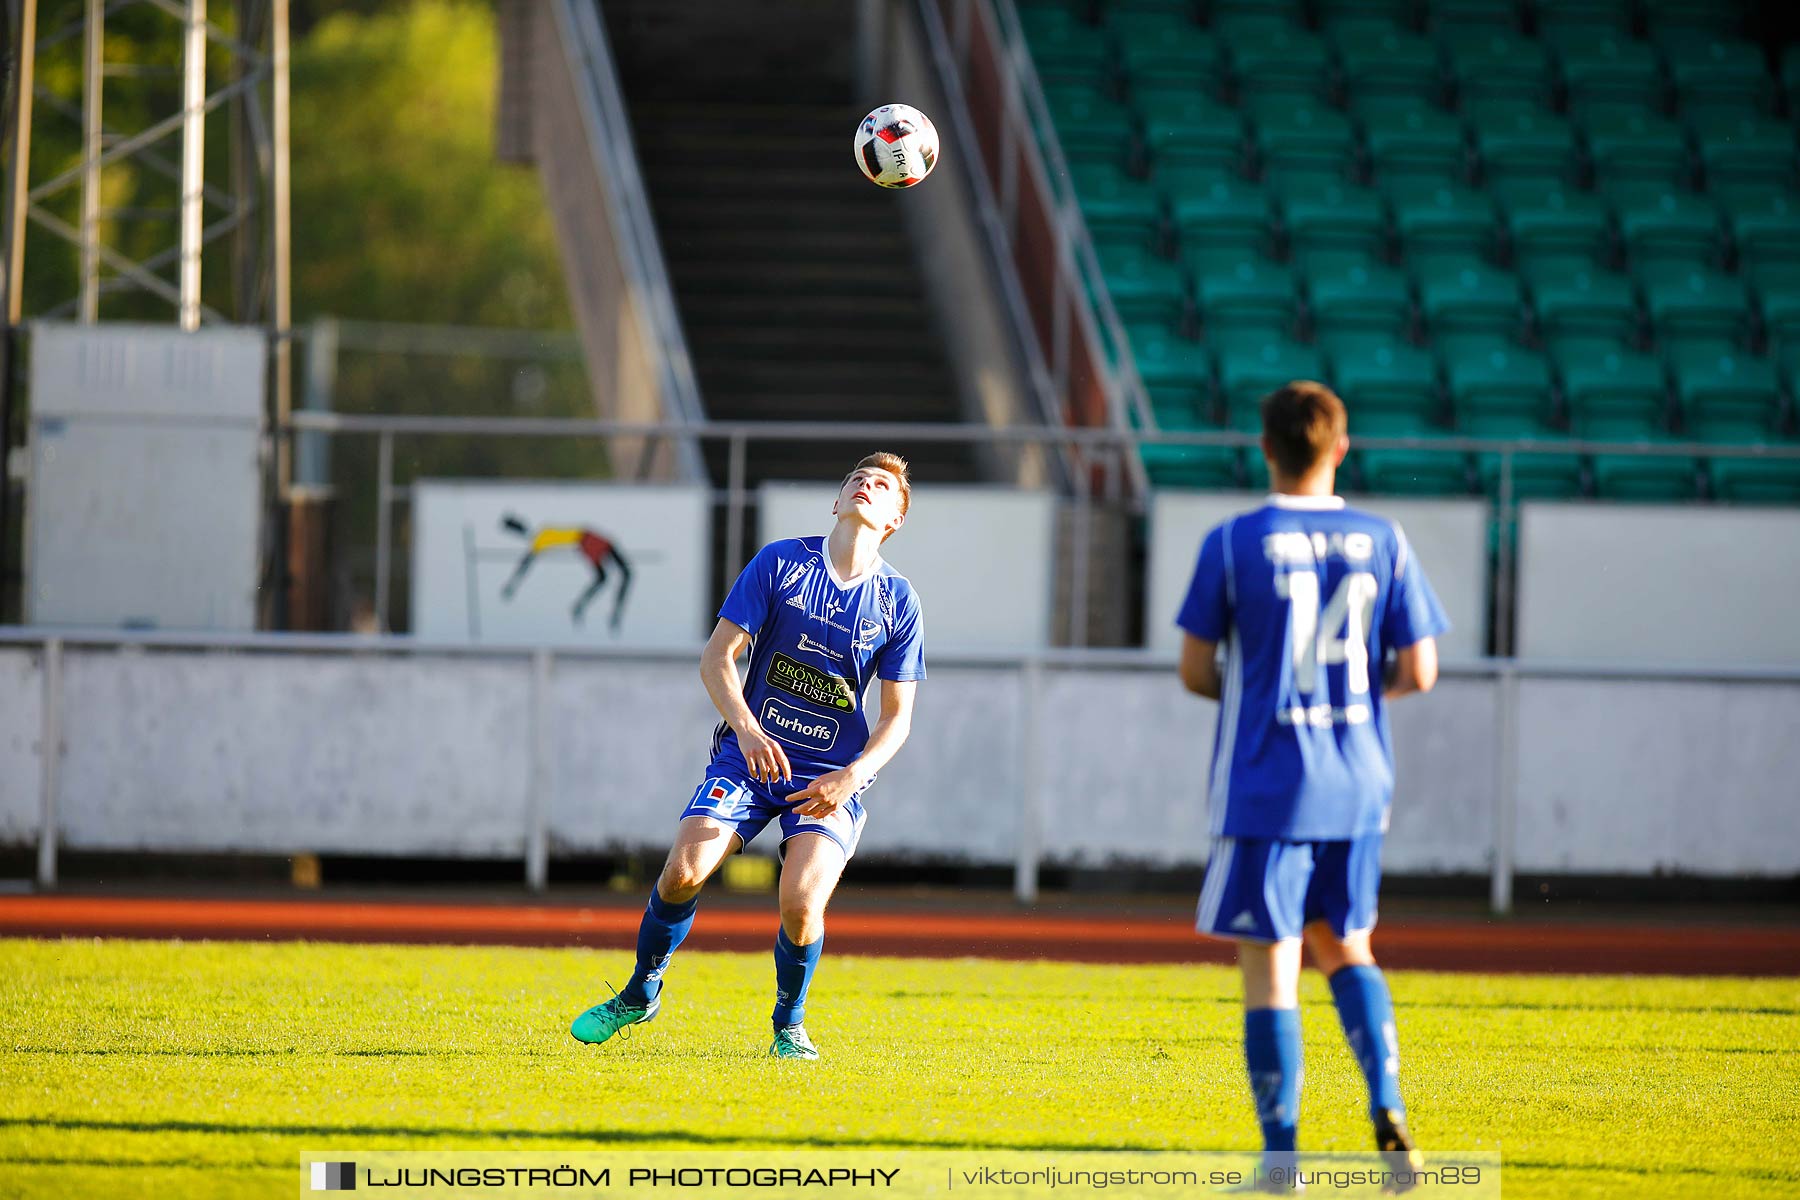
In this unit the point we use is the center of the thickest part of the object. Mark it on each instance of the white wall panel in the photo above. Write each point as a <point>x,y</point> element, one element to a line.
<point>21,727</point>
<point>1663,585</point>
<point>281,753</point>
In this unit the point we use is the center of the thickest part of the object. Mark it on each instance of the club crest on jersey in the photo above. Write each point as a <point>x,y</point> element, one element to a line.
<point>866,633</point>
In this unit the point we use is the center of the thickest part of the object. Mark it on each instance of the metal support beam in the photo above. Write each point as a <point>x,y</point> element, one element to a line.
<point>537,798</point>
<point>93,157</point>
<point>193,161</point>
<point>50,759</point>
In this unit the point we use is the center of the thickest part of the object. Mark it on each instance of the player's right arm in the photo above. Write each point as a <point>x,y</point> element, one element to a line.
<point>718,671</point>
<point>1410,623</point>
<point>1413,670</point>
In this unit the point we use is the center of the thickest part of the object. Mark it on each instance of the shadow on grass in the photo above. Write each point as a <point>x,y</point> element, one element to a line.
<point>616,1137</point>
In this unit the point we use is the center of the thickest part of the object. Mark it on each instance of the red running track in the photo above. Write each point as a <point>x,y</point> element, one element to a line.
<point>1423,943</point>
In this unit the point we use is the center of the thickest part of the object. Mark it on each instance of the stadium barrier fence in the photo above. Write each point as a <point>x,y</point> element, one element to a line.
<point>382,745</point>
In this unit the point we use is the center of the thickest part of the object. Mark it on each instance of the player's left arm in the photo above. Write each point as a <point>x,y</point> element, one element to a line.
<point>1411,623</point>
<point>1199,667</point>
<point>830,791</point>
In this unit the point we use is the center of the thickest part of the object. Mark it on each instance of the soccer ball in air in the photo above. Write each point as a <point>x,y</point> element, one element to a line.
<point>896,146</point>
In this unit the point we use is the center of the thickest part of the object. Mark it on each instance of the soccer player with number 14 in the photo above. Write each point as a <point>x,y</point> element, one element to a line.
<point>1307,597</point>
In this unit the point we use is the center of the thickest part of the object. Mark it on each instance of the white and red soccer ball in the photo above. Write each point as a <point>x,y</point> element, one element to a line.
<point>896,146</point>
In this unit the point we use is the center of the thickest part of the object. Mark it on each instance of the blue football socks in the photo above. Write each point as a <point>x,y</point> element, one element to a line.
<point>793,975</point>
<point>1272,1052</point>
<point>661,931</point>
<point>1367,1011</point>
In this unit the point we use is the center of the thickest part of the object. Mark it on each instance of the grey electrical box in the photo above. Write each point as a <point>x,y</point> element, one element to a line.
<point>145,491</point>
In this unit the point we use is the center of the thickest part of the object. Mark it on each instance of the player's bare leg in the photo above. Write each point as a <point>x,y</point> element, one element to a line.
<point>1367,1013</point>
<point>811,867</point>
<point>1271,973</point>
<point>701,844</point>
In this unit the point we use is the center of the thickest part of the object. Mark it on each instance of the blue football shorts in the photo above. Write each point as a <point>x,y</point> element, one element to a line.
<point>744,805</point>
<point>1267,890</point>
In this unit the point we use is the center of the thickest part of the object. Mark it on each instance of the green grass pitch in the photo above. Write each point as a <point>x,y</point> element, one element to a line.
<point>200,1069</point>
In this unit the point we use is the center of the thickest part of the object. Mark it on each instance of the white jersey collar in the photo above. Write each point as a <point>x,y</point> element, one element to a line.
<point>831,571</point>
<point>1315,503</point>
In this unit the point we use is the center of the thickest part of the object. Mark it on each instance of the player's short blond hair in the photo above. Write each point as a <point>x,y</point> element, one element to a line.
<point>894,465</point>
<point>1301,424</point>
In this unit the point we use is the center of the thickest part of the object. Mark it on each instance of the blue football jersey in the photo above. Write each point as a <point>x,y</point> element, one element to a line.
<point>817,641</point>
<point>1306,595</point>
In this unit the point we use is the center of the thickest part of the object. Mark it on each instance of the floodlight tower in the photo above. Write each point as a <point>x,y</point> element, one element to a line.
<point>143,257</point>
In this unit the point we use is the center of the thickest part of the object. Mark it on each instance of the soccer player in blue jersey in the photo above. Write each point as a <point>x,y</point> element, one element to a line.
<point>1307,597</point>
<point>823,616</point>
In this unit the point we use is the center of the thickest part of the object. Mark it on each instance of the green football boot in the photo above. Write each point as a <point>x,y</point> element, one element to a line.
<point>608,1017</point>
<point>791,1042</point>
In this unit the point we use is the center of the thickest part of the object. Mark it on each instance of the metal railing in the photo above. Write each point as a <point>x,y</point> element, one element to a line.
<point>1110,446</point>
<point>602,101</point>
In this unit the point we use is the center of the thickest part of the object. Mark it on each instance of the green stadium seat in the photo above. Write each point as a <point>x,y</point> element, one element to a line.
<point>1347,294</point>
<point>1290,12</point>
<point>1445,219</point>
<point>1180,55</point>
<point>1468,295</point>
<point>1765,226</point>
<point>1746,148</point>
<point>1228,213</point>
<point>1660,223</point>
<point>1170,364</point>
<point>1398,12</point>
<point>1495,386</point>
<point>1725,395</point>
<point>1519,138</point>
<point>1189,466</point>
<point>1665,479</point>
<point>1536,474</point>
<point>1778,291</point>
<point>1790,76</point>
<point>1185,127</point>
<point>1629,142</point>
<point>1593,16</point>
<point>1251,365</point>
<point>1116,206</point>
<point>1408,136</point>
<point>1757,480</point>
<point>1090,124</point>
<point>1711,69</point>
<point>1303,133</point>
<point>1143,286</point>
<point>1551,219</point>
<point>1613,394</point>
<point>1244,290</point>
<point>1276,57</point>
<point>1492,14</point>
<point>1487,61</point>
<point>1327,214</point>
<point>1063,46</point>
<point>1688,302</point>
<point>1375,55</point>
<point>1576,298</point>
<point>1606,66</point>
<point>1391,389</point>
<point>1407,472</point>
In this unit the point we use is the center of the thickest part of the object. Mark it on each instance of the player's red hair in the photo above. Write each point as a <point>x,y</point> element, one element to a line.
<point>1302,422</point>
